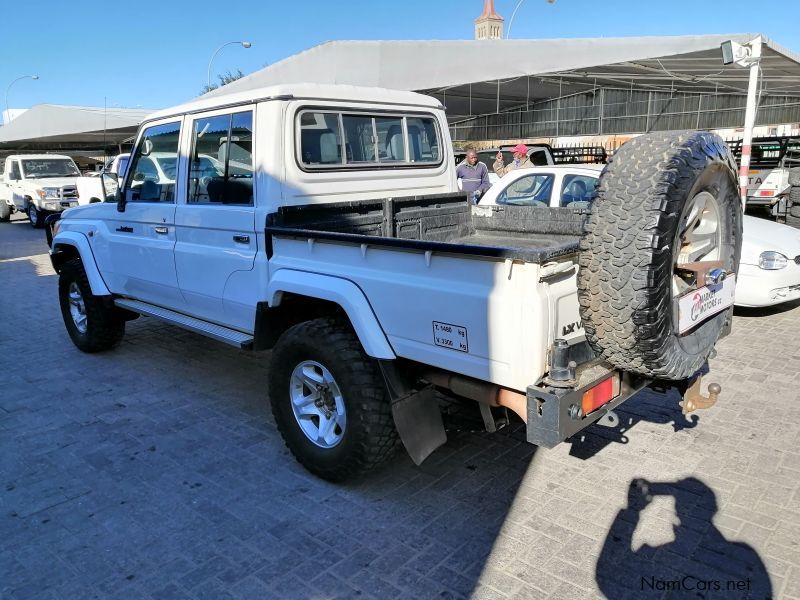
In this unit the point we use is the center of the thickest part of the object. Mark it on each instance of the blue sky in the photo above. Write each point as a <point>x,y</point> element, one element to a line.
<point>155,53</point>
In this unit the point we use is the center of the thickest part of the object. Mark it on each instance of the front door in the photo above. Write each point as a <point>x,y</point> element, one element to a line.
<point>135,249</point>
<point>216,238</point>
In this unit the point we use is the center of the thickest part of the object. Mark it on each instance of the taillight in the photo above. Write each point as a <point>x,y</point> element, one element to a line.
<point>765,193</point>
<point>600,394</point>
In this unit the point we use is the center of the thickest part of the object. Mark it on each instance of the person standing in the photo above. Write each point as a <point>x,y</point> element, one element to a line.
<point>474,176</point>
<point>521,160</point>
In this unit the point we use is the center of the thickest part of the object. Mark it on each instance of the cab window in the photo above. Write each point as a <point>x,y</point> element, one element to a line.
<point>153,165</point>
<point>221,165</point>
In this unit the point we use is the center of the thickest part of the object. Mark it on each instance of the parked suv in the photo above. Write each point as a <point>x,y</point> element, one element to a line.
<point>331,231</point>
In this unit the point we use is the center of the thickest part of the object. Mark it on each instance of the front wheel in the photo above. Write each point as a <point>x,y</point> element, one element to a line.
<point>329,400</point>
<point>5,212</point>
<point>92,323</point>
<point>36,216</point>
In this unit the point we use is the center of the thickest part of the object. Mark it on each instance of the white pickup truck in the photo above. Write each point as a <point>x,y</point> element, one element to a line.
<point>37,184</point>
<point>329,229</point>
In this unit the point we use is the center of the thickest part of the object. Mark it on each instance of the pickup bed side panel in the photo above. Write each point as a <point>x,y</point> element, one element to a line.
<point>81,243</point>
<point>344,293</point>
<point>484,318</point>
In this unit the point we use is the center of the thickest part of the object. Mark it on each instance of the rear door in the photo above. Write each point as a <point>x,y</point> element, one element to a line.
<point>216,236</point>
<point>134,249</point>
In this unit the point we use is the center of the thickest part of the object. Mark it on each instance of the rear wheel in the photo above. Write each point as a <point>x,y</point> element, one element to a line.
<point>329,400</point>
<point>666,202</point>
<point>92,322</point>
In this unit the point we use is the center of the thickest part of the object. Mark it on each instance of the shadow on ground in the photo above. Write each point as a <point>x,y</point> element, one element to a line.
<point>702,562</point>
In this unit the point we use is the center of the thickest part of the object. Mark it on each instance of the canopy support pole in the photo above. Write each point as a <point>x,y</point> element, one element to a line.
<point>749,119</point>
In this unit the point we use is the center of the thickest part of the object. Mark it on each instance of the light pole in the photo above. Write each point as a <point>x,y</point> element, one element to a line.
<point>516,8</point>
<point>244,45</point>
<point>8,112</point>
<point>749,56</point>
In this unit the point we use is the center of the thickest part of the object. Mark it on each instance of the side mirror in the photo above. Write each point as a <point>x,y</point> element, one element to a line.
<point>147,147</point>
<point>138,176</point>
<point>110,183</point>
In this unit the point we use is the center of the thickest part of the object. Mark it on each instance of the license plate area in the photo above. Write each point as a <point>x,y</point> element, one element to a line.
<point>703,303</point>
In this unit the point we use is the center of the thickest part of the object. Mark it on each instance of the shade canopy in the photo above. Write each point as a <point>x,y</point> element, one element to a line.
<point>475,77</point>
<point>54,126</point>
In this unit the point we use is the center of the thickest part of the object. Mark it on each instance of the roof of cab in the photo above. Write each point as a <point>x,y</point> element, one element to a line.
<point>312,91</point>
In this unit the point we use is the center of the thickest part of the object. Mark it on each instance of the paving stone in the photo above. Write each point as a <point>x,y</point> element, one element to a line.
<point>156,471</point>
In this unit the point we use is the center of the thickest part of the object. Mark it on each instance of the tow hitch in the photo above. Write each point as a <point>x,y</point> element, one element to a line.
<point>693,398</point>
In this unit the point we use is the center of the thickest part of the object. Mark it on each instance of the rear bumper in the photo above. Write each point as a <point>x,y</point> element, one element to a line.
<point>552,413</point>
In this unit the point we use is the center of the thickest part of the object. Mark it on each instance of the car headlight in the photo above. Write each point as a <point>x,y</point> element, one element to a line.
<point>772,261</point>
<point>49,193</point>
<point>51,205</point>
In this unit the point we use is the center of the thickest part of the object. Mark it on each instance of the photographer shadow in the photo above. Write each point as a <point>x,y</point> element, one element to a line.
<point>649,406</point>
<point>700,562</point>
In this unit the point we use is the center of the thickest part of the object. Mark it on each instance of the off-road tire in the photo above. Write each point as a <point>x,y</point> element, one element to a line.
<point>794,177</point>
<point>627,260</point>
<point>105,324</point>
<point>35,216</point>
<point>5,212</point>
<point>370,436</point>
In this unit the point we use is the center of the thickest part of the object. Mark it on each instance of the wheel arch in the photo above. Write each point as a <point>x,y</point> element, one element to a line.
<point>69,245</point>
<point>295,296</point>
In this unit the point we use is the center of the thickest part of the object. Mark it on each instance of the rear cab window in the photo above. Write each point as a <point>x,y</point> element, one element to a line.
<point>341,139</point>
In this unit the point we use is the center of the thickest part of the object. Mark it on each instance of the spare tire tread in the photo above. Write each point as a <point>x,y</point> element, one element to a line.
<point>630,233</point>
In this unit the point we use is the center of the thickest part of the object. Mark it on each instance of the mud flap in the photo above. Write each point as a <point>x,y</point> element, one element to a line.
<point>416,414</point>
<point>419,422</point>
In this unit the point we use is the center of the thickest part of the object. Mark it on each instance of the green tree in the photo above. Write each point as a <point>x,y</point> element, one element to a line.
<point>225,79</point>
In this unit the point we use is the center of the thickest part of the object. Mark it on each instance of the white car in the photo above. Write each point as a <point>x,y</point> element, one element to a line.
<point>553,185</point>
<point>769,272</point>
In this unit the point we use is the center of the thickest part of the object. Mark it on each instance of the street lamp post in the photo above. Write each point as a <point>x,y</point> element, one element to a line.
<point>8,111</point>
<point>213,56</point>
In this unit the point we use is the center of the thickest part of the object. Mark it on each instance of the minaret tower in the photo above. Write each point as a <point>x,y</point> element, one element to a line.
<point>489,26</point>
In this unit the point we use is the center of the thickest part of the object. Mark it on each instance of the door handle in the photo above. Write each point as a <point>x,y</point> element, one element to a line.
<point>161,230</point>
<point>241,239</point>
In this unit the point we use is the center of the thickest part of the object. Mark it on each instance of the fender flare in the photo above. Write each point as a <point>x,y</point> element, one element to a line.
<point>343,292</point>
<point>80,242</point>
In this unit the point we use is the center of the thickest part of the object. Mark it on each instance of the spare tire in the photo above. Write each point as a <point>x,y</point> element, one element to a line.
<point>794,176</point>
<point>663,199</point>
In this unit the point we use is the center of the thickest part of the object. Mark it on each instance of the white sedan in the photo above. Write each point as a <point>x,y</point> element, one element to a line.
<point>769,271</point>
<point>553,185</point>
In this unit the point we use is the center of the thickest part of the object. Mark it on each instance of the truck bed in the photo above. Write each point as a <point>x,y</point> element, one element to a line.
<point>443,223</point>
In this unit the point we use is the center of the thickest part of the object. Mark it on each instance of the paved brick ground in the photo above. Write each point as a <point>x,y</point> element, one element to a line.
<point>155,471</point>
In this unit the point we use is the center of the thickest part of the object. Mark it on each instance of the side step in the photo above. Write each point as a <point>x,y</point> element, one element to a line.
<point>217,332</point>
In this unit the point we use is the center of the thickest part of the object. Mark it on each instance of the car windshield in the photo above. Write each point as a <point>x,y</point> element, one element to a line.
<point>41,168</point>
<point>167,165</point>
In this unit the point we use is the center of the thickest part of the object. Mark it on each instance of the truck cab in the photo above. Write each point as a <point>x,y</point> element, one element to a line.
<point>39,185</point>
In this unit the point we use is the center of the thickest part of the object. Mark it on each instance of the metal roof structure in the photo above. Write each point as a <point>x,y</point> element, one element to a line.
<point>55,127</point>
<point>477,77</point>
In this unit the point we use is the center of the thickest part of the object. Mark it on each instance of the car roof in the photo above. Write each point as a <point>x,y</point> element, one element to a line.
<point>590,169</point>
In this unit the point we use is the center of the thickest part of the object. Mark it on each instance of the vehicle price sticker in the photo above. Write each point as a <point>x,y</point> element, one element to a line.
<point>695,307</point>
<point>450,336</point>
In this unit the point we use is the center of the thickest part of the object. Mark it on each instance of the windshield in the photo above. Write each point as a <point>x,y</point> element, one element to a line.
<point>41,168</point>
